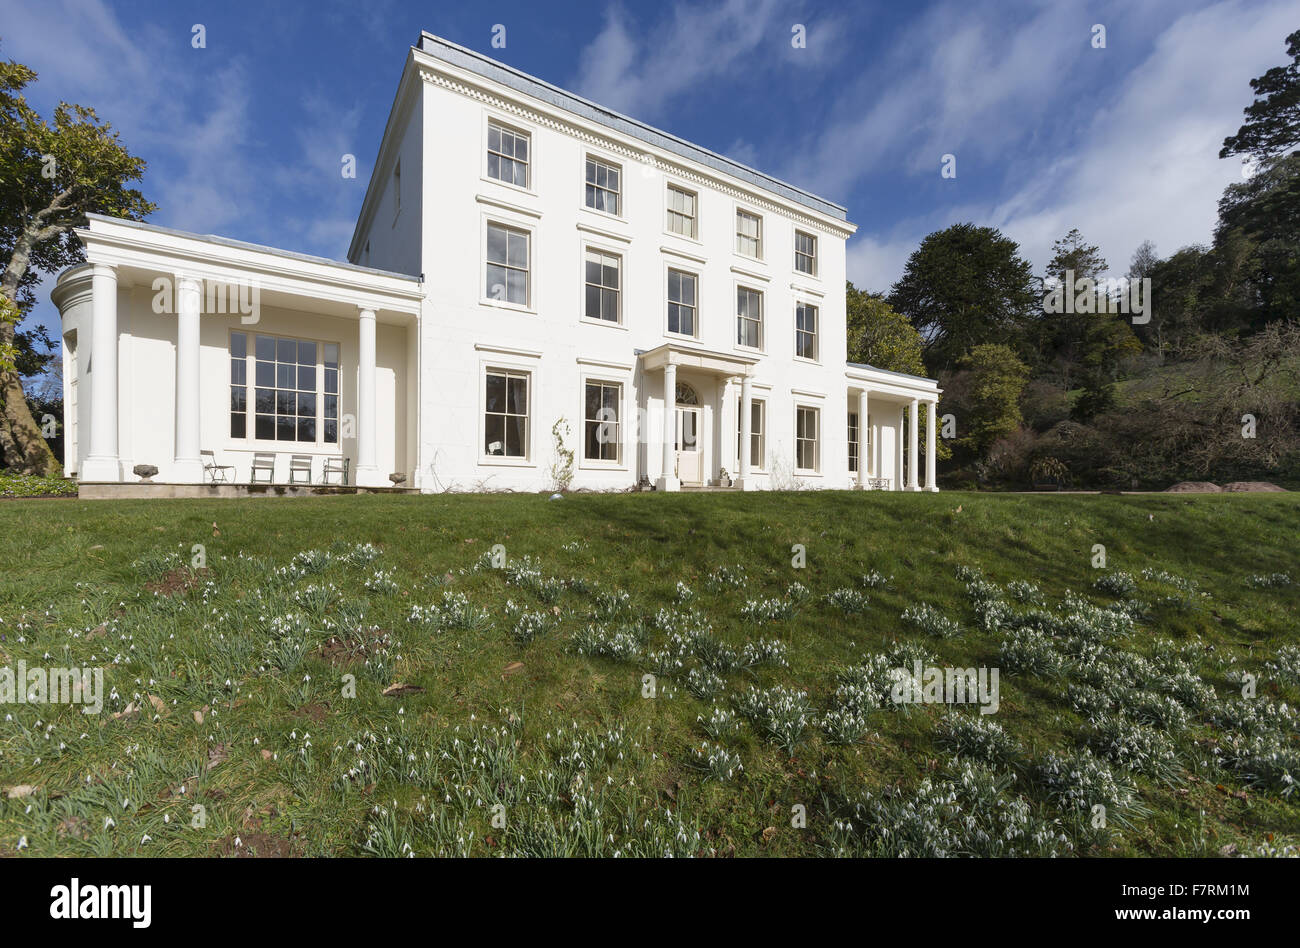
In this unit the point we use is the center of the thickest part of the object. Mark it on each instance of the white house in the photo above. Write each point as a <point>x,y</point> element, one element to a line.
<point>523,257</point>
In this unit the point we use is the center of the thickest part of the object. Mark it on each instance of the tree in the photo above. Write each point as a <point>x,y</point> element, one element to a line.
<point>880,336</point>
<point>51,175</point>
<point>963,287</point>
<point>1265,210</point>
<point>1272,125</point>
<point>1144,261</point>
<point>1082,344</point>
<point>997,379</point>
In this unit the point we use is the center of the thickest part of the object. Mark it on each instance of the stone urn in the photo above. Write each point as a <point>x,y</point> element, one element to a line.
<point>397,479</point>
<point>145,472</point>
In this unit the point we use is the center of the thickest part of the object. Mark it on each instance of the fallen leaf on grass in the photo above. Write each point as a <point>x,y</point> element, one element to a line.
<point>22,790</point>
<point>398,688</point>
<point>158,704</point>
<point>216,755</point>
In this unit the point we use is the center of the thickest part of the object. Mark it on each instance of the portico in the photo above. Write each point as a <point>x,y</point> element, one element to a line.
<point>885,414</point>
<point>200,316</point>
<point>702,395</point>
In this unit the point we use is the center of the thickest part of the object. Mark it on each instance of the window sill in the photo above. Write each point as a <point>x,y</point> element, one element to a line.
<point>680,336</point>
<point>607,323</point>
<point>757,350</point>
<point>603,215</point>
<point>284,447</point>
<point>508,307</point>
<point>508,185</point>
<point>493,460</point>
<point>800,472</point>
<point>609,466</point>
<point>807,360</point>
<point>690,240</point>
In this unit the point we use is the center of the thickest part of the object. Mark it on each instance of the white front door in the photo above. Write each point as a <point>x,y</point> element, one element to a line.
<point>689,458</point>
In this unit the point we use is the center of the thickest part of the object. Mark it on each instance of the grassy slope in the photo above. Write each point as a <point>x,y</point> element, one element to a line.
<point>68,568</point>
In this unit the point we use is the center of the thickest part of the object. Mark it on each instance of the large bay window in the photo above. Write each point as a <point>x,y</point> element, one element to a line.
<point>295,389</point>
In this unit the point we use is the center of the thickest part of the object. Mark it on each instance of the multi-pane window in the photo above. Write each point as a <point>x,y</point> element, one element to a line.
<point>757,413</point>
<point>602,435</point>
<point>603,190</point>
<point>749,234</point>
<point>602,285</point>
<point>749,318</point>
<point>507,264</point>
<point>854,445</point>
<point>807,425</point>
<point>507,154</point>
<point>505,413</point>
<point>238,385</point>
<point>681,212</point>
<point>295,389</point>
<point>805,331</point>
<point>805,253</point>
<point>682,302</point>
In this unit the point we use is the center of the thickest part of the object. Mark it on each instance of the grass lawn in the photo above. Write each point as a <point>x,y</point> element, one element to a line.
<point>245,710</point>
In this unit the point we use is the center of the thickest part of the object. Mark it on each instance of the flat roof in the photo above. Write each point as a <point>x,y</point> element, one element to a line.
<point>901,375</point>
<point>509,76</point>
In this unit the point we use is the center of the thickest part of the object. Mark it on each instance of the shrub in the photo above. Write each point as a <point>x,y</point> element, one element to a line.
<point>930,621</point>
<point>780,714</point>
<point>977,737</point>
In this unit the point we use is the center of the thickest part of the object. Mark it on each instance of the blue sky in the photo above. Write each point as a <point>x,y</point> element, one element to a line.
<point>244,138</point>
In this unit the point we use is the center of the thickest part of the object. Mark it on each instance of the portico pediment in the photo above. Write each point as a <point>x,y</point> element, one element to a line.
<point>695,357</point>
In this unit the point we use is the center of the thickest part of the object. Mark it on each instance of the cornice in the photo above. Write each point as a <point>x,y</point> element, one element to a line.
<point>642,156</point>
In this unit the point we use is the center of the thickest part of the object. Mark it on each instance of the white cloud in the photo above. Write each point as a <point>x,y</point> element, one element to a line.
<point>1141,163</point>
<point>640,75</point>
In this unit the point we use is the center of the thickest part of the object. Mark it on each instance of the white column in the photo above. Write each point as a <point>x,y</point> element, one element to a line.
<point>864,436</point>
<point>367,468</point>
<point>746,409</point>
<point>668,477</point>
<point>187,467</point>
<point>931,426</point>
<point>102,461</point>
<point>900,451</point>
<point>913,437</point>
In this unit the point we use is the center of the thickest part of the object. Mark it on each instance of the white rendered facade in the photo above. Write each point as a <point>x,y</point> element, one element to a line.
<point>486,300</point>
